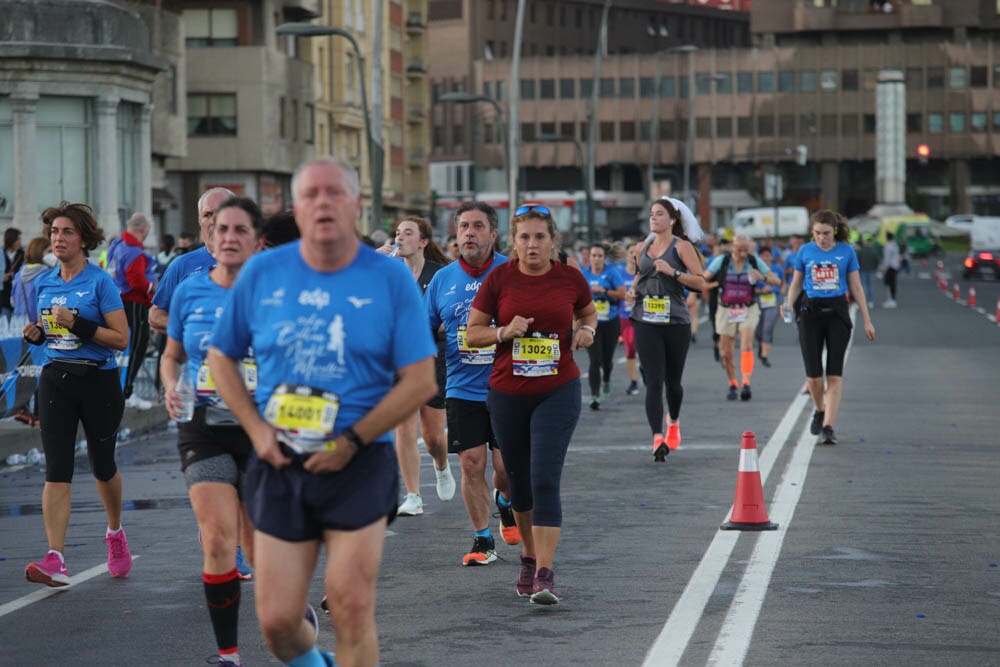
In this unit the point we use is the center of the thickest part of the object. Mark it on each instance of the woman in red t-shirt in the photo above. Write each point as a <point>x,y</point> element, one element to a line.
<point>534,396</point>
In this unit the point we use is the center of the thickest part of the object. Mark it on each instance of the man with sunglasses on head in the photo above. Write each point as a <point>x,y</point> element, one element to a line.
<point>448,298</point>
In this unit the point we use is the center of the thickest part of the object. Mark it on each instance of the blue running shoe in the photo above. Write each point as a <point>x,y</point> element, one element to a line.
<point>243,568</point>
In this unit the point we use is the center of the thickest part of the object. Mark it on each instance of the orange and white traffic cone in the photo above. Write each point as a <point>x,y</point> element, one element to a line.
<point>972,296</point>
<point>996,316</point>
<point>956,292</point>
<point>748,511</point>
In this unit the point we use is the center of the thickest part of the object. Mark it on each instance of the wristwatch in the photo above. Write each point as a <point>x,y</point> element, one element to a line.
<point>353,437</point>
<point>677,273</point>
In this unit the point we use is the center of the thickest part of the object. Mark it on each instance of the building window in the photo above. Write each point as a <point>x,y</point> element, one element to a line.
<point>684,85</point>
<point>647,87</point>
<point>956,122</point>
<point>765,82</point>
<point>626,131</point>
<point>547,89</point>
<point>956,78</point>
<point>786,125</point>
<point>527,89</point>
<point>547,129</point>
<point>765,126</point>
<point>210,28</point>
<point>849,80</point>
<point>607,130</point>
<point>914,78</point>
<point>935,78</point>
<point>668,131</point>
<point>607,89</point>
<point>437,137</point>
<point>786,82</point>
<point>586,88</point>
<point>584,131</point>
<point>868,123</point>
<point>849,126</point>
<point>703,82</point>
<point>978,76</point>
<point>310,122</point>
<point>457,135</point>
<point>567,89</point>
<point>626,88</point>
<point>996,121</point>
<point>487,134</point>
<point>744,82</point>
<point>807,81</point>
<point>723,83</point>
<point>935,123</point>
<point>567,129</point>
<point>487,90</point>
<point>828,81</point>
<point>744,126</point>
<point>668,86</point>
<point>703,128</point>
<point>527,132</point>
<point>828,125</point>
<point>977,121</point>
<point>914,123</point>
<point>724,127</point>
<point>211,115</point>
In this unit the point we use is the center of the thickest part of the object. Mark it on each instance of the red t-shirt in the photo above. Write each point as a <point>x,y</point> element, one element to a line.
<point>551,299</point>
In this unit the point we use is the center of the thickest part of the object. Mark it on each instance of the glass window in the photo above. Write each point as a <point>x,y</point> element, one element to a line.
<point>668,86</point>
<point>703,128</point>
<point>487,89</point>
<point>956,122</point>
<point>914,123</point>
<point>607,87</point>
<point>704,83</point>
<point>684,85</point>
<point>586,88</point>
<point>744,126</point>
<point>63,136</point>
<point>457,135</point>
<point>547,129</point>
<point>849,125</point>
<point>210,115</point>
<point>977,121</point>
<point>744,82</point>
<point>606,131</point>
<point>914,78</point>
<point>210,27</point>
<point>437,136</point>
<point>935,123</point>
<point>765,82</point>
<point>500,92</point>
<point>765,126</point>
<point>807,81</point>
<point>956,78</point>
<point>547,89</point>
<point>647,87</point>
<point>786,125</point>
<point>724,127</point>
<point>978,76</point>
<point>487,134</point>
<point>828,125</point>
<point>849,79</point>
<point>567,129</point>
<point>828,80</point>
<point>527,131</point>
<point>786,82</point>
<point>996,121</point>
<point>868,123</point>
<point>723,83</point>
<point>935,78</point>
<point>626,88</point>
<point>527,89</point>
<point>310,122</point>
<point>626,131</point>
<point>668,130</point>
<point>567,89</point>
<point>584,131</point>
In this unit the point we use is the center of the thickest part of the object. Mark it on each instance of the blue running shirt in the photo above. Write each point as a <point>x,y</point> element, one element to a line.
<point>345,332</point>
<point>448,299</point>
<point>609,279</point>
<point>90,294</point>
<point>179,269</point>
<point>825,271</point>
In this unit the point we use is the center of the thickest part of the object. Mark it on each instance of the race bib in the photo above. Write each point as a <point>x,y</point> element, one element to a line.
<point>768,300</point>
<point>205,385</point>
<point>58,337</point>
<point>656,309</point>
<point>603,310</point>
<point>304,416</point>
<point>475,356</point>
<point>825,276</point>
<point>737,314</point>
<point>536,356</point>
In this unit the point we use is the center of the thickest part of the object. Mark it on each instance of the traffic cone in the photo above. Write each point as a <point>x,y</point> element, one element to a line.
<point>972,296</point>
<point>996,316</point>
<point>957,293</point>
<point>748,512</point>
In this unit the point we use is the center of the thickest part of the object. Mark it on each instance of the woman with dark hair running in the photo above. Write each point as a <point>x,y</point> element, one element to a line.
<point>414,243</point>
<point>607,288</point>
<point>81,322</point>
<point>668,264</point>
<point>827,269</point>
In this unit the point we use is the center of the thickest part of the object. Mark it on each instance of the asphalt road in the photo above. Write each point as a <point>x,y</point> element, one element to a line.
<point>886,553</point>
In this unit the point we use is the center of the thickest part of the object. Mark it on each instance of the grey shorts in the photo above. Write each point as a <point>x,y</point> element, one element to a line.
<point>221,468</point>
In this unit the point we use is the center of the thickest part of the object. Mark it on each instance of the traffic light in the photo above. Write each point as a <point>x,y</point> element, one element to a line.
<point>923,152</point>
<point>801,154</point>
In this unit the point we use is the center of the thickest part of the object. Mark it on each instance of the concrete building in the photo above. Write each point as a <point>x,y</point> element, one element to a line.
<point>76,114</point>
<point>250,107</point>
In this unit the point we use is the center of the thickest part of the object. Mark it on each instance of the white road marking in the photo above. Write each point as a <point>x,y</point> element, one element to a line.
<point>41,594</point>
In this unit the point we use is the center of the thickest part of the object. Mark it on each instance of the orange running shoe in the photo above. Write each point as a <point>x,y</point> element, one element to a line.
<point>508,526</point>
<point>660,450</point>
<point>674,435</point>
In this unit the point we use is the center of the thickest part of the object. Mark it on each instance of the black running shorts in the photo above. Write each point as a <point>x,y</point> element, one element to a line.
<point>468,425</point>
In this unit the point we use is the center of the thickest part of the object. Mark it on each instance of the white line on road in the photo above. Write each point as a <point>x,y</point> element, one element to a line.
<point>39,595</point>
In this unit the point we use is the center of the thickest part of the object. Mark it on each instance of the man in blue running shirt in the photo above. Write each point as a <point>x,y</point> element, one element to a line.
<point>332,325</point>
<point>448,298</point>
<point>188,263</point>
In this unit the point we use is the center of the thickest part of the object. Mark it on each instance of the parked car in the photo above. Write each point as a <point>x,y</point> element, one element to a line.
<point>962,222</point>
<point>983,260</point>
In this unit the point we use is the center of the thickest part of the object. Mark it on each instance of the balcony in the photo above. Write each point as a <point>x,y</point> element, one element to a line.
<point>415,24</point>
<point>416,157</point>
<point>416,113</point>
<point>819,19</point>
<point>415,69</point>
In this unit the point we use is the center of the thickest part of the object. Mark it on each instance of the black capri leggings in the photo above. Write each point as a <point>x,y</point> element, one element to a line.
<point>602,354</point>
<point>663,351</point>
<point>824,323</point>
<point>65,400</point>
<point>534,433</point>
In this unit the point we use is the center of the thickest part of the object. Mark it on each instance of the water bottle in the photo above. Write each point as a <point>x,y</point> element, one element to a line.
<point>395,250</point>
<point>16,460</point>
<point>185,390</point>
<point>788,312</point>
<point>34,456</point>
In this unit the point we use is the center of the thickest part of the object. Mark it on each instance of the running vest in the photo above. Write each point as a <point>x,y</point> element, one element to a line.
<point>655,286</point>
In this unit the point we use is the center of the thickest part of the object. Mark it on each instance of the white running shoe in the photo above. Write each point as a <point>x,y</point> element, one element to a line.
<point>445,482</point>
<point>134,401</point>
<point>890,303</point>
<point>412,505</point>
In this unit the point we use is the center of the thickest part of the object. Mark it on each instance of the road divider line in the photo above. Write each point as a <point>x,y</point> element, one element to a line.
<point>38,595</point>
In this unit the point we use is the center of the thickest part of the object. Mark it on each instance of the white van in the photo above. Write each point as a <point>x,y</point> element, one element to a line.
<point>759,222</point>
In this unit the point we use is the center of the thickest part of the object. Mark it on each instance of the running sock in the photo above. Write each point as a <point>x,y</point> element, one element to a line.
<point>733,383</point>
<point>311,658</point>
<point>502,501</point>
<point>228,657</point>
<point>222,594</point>
<point>110,532</point>
<point>485,532</point>
<point>746,365</point>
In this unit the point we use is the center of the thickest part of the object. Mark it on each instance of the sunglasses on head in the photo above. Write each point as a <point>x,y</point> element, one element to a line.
<point>528,208</point>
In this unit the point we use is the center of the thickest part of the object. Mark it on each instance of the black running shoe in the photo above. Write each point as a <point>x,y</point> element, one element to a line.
<point>765,361</point>
<point>828,437</point>
<point>715,353</point>
<point>745,393</point>
<point>817,422</point>
<point>733,394</point>
<point>595,404</point>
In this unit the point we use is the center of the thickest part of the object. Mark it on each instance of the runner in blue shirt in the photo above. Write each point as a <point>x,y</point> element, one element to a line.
<point>332,324</point>
<point>768,298</point>
<point>607,288</point>
<point>826,270</point>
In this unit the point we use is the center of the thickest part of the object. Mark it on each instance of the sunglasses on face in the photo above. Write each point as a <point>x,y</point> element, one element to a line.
<point>528,208</point>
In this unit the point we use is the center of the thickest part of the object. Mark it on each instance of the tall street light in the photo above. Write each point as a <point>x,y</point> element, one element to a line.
<point>562,138</point>
<point>375,151</point>
<point>654,139</point>
<point>602,43</point>
<point>472,98</point>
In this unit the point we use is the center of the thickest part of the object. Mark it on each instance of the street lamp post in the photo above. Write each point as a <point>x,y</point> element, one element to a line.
<point>602,36</point>
<point>654,139</point>
<point>562,138</point>
<point>375,150</point>
<point>689,145</point>
<point>471,98</point>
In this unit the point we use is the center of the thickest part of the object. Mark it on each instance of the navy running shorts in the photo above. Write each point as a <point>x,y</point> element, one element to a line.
<point>295,505</point>
<point>469,425</point>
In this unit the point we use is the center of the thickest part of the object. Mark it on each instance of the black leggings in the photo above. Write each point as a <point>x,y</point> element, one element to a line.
<point>66,400</point>
<point>889,278</point>
<point>663,351</point>
<point>137,315</point>
<point>824,323</point>
<point>602,354</point>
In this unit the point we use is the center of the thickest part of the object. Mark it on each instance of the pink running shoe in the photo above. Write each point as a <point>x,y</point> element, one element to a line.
<point>119,557</point>
<point>51,571</point>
